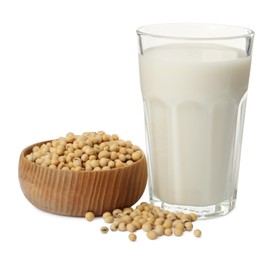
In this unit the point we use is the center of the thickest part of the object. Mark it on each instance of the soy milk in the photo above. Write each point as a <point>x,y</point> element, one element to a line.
<point>195,96</point>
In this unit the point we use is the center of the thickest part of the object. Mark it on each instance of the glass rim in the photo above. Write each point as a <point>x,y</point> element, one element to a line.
<point>149,30</point>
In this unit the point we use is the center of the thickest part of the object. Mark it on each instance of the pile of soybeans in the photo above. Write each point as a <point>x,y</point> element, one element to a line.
<point>151,219</point>
<point>91,151</point>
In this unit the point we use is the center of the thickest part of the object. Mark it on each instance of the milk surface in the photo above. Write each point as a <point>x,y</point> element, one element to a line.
<point>194,98</point>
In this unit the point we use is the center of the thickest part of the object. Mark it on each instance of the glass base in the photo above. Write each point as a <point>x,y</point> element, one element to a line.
<point>220,209</point>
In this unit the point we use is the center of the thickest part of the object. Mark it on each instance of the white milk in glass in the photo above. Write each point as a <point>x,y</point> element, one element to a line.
<point>194,98</point>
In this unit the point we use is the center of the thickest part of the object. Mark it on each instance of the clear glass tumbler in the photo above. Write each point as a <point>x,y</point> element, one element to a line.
<point>194,81</point>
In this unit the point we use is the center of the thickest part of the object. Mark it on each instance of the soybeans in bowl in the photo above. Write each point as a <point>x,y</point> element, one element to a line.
<point>75,174</point>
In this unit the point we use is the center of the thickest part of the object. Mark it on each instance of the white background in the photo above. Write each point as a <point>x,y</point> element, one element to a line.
<point>73,66</point>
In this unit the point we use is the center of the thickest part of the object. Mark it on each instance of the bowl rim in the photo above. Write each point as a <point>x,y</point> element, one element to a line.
<point>26,149</point>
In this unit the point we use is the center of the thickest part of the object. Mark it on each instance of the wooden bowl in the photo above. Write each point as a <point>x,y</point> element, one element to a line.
<point>73,193</point>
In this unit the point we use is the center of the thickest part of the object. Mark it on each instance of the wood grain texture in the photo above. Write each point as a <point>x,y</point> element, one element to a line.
<point>72,193</point>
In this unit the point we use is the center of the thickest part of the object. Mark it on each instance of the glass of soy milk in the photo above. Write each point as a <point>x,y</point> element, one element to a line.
<point>194,81</point>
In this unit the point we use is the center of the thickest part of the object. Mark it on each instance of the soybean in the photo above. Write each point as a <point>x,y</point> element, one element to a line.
<point>168,231</point>
<point>152,234</point>
<point>132,237</point>
<point>197,232</point>
<point>108,219</point>
<point>89,216</point>
<point>104,230</point>
<point>188,226</point>
<point>178,232</point>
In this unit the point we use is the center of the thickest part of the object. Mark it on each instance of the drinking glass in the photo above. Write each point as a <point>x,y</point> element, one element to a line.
<point>194,81</point>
